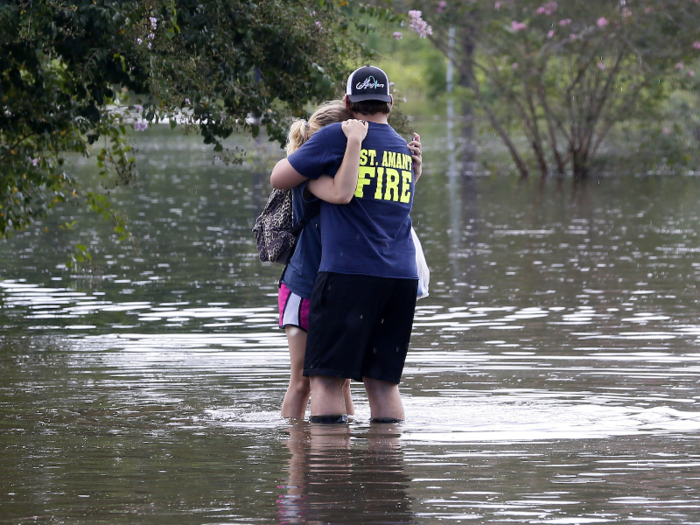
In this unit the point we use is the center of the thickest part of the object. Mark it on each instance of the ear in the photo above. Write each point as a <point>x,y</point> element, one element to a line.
<point>347,102</point>
<point>391,104</point>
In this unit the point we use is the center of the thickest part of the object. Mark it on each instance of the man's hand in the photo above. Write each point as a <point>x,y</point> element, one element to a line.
<point>417,155</point>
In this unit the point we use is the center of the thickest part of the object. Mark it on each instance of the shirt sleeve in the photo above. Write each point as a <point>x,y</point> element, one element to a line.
<point>319,155</point>
<point>311,198</point>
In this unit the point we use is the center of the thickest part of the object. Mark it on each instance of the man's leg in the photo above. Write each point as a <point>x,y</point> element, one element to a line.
<point>327,396</point>
<point>385,353</point>
<point>384,400</point>
<point>342,307</point>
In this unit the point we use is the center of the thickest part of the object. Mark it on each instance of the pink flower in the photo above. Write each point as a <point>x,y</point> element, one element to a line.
<point>318,24</point>
<point>441,6</point>
<point>140,126</point>
<point>154,22</point>
<point>497,6</point>
<point>679,66</point>
<point>187,101</point>
<point>419,25</point>
<point>666,131</point>
<point>139,41</point>
<point>518,26</point>
<point>696,45</point>
<point>601,22</point>
<point>572,36</point>
<point>550,34</point>
<point>565,22</point>
<point>397,35</point>
<point>691,73</point>
<point>35,162</point>
<point>547,9</point>
<point>626,12</point>
<point>601,66</point>
<point>515,65</point>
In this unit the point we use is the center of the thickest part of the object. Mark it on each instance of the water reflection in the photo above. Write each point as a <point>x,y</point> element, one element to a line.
<point>340,476</point>
<point>40,305</point>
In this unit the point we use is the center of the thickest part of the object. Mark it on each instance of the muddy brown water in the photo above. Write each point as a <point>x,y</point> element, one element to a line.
<point>553,375</point>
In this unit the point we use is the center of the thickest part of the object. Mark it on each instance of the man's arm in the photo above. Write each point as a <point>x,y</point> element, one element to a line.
<point>285,177</point>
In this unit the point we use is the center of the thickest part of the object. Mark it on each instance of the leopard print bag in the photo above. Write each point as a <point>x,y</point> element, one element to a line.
<point>274,234</point>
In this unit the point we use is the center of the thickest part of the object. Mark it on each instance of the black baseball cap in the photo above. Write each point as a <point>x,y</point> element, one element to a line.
<point>368,83</point>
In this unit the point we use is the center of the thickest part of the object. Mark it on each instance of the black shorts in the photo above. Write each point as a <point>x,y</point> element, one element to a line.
<point>359,326</point>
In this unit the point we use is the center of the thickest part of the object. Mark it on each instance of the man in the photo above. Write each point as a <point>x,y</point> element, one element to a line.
<point>364,297</point>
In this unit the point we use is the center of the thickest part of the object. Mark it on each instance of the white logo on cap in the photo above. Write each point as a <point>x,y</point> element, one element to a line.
<point>369,83</point>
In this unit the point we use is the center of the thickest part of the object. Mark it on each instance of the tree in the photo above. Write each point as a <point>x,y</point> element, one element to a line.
<point>76,74</point>
<point>565,75</point>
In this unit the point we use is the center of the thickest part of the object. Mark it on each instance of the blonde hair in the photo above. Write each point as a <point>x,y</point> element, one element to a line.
<point>327,113</point>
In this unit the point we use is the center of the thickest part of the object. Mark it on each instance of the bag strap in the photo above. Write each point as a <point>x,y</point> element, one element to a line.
<point>310,212</point>
<point>313,209</point>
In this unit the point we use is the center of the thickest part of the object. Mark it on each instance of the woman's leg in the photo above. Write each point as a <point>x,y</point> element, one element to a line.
<point>297,396</point>
<point>349,407</point>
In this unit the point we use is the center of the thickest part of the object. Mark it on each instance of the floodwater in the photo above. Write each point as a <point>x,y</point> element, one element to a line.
<point>553,375</point>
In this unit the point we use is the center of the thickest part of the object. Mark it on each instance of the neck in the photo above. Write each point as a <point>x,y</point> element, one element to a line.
<point>378,118</point>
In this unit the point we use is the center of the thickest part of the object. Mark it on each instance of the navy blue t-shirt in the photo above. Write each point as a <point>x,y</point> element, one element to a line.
<point>372,234</point>
<point>300,274</point>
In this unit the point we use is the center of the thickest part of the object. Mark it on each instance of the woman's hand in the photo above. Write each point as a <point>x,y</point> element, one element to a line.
<point>417,155</point>
<point>355,129</point>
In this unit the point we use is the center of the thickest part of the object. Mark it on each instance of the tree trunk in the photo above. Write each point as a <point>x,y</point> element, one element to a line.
<point>495,124</point>
<point>467,136</point>
<point>579,161</point>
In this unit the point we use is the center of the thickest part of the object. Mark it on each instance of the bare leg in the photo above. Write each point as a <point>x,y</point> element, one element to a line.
<point>328,396</point>
<point>384,399</point>
<point>297,396</point>
<point>349,407</point>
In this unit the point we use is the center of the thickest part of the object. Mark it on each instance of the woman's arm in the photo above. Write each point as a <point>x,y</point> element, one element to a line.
<point>341,188</point>
<point>285,177</point>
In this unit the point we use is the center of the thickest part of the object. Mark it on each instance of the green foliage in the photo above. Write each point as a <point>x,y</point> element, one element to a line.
<point>75,75</point>
<point>435,74</point>
<point>566,73</point>
<point>416,67</point>
<point>669,144</point>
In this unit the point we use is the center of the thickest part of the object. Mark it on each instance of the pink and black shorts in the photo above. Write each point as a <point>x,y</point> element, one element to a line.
<point>294,310</point>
